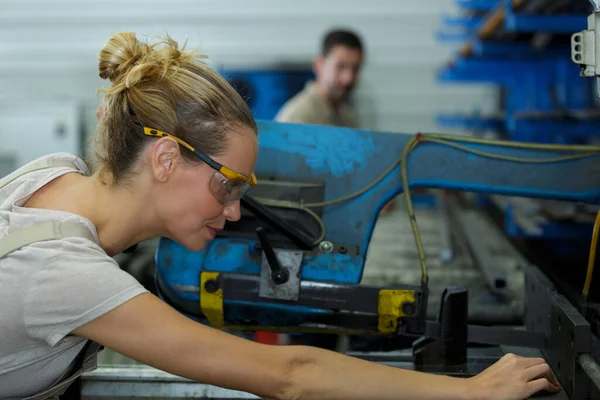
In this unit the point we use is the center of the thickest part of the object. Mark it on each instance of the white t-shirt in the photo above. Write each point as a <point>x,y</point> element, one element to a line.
<point>50,288</point>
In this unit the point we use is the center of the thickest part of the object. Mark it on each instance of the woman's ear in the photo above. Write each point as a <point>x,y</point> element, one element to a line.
<point>164,158</point>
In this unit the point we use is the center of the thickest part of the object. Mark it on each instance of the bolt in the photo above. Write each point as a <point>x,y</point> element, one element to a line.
<point>280,276</point>
<point>572,340</point>
<point>408,308</point>
<point>326,246</point>
<point>211,286</point>
<point>343,250</point>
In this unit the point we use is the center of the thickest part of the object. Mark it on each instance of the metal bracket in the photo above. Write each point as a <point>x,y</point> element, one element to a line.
<point>290,290</point>
<point>585,48</point>
<point>567,332</point>
<point>450,348</point>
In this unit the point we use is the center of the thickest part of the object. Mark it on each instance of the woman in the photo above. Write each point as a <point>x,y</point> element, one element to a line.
<point>60,293</point>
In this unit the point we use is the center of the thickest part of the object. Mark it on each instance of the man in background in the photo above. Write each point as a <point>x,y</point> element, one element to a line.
<point>327,100</point>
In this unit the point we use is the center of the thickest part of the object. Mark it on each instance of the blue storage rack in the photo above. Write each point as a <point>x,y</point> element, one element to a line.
<point>544,98</point>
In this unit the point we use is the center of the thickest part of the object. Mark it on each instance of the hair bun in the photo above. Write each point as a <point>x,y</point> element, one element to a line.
<point>120,52</point>
<point>125,61</point>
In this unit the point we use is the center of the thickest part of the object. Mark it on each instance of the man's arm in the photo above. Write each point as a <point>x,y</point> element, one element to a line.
<point>148,330</point>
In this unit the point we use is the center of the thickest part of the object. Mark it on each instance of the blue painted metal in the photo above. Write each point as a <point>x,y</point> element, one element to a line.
<point>550,230</point>
<point>471,122</point>
<point>551,129</point>
<point>527,23</point>
<point>546,23</point>
<point>510,50</point>
<point>424,200</point>
<point>346,160</point>
<point>266,91</point>
<point>476,5</point>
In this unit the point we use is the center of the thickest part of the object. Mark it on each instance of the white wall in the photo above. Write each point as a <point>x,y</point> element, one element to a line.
<point>48,49</point>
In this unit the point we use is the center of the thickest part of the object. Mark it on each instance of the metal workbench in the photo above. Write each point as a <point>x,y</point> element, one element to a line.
<point>131,380</point>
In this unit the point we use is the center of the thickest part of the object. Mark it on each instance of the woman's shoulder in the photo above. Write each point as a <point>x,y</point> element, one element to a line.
<point>53,161</point>
<point>28,178</point>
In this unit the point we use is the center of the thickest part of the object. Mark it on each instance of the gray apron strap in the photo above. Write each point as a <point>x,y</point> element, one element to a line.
<point>87,358</point>
<point>39,233</point>
<point>35,166</point>
<point>87,361</point>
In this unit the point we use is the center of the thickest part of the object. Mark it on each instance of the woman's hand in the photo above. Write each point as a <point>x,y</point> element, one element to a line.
<point>514,377</point>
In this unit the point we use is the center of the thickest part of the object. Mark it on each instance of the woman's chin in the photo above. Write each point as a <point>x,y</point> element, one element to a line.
<point>196,246</point>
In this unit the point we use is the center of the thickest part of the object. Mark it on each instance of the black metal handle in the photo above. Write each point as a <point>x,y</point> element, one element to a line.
<point>298,237</point>
<point>279,274</point>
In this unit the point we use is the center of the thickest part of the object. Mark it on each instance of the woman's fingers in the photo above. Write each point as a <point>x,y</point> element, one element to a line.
<point>541,384</point>
<point>538,371</point>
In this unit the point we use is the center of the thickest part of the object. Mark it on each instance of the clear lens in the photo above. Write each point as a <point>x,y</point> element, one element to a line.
<point>227,191</point>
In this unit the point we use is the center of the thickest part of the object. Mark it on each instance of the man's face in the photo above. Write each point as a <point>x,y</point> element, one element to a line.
<point>338,71</point>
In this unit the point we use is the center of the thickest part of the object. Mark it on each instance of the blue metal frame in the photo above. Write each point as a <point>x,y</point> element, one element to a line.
<point>346,160</point>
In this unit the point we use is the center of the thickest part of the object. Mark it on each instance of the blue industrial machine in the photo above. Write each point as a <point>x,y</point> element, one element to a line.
<point>294,261</point>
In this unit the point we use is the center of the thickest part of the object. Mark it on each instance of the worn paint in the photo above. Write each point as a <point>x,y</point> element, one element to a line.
<point>352,150</point>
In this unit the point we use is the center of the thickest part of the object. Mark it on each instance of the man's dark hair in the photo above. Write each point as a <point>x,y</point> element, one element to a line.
<point>340,37</point>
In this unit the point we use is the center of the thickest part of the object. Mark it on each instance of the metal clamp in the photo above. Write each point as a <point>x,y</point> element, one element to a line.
<point>273,288</point>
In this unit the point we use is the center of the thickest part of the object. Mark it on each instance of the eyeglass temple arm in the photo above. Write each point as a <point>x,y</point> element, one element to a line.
<point>263,213</point>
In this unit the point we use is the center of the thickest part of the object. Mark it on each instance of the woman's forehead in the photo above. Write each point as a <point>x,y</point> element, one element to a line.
<point>241,152</point>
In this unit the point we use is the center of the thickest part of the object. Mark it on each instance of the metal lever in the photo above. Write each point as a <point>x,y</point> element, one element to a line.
<point>279,274</point>
<point>299,238</point>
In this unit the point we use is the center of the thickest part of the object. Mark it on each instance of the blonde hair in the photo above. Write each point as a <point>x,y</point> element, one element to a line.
<point>163,87</point>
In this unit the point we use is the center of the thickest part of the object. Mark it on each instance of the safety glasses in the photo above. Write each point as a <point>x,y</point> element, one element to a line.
<point>226,185</point>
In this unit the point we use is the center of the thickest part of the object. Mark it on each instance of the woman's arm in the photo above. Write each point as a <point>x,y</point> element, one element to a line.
<point>148,330</point>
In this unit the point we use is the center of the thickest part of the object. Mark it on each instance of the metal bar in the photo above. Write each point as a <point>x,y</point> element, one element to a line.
<point>140,381</point>
<point>506,336</point>
<point>475,229</point>
<point>494,335</point>
<point>290,231</point>
<point>354,298</point>
<point>567,332</point>
<point>545,23</point>
<point>591,368</point>
<point>333,305</point>
<point>444,205</point>
<point>477,5</point>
